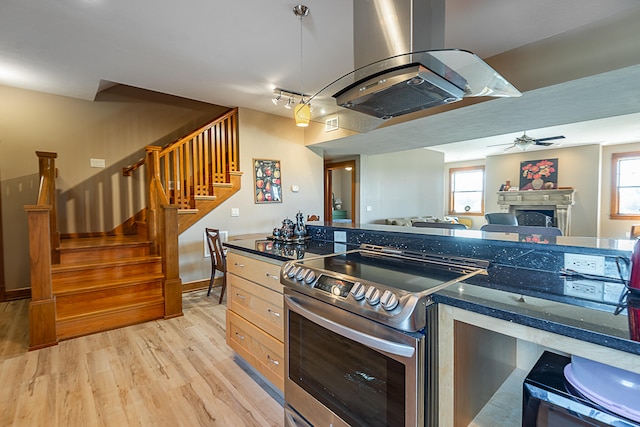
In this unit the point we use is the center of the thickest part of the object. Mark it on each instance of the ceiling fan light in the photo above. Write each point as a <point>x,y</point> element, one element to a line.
<point>302,114</point>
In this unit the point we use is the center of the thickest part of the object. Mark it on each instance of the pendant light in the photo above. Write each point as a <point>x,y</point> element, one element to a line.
<point>302,111</point>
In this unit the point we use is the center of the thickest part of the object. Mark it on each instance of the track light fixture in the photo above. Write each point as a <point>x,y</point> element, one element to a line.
<point>276,100</point>
<point>290,103</point>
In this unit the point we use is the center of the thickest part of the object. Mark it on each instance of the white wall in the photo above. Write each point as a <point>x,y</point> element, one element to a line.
<point>261,136</point>
<point>405,183</point>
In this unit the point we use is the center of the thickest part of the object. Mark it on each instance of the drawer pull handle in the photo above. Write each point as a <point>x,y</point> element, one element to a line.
<point>241,296</point>
<point>238,265</point>
<point>240,336</point>
<point>275,313</point>
<point>274,361</point>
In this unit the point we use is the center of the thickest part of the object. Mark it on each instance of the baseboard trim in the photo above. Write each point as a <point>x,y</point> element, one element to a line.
<point>197,285</point>
<point>25,293</point>
<point>15,294</point>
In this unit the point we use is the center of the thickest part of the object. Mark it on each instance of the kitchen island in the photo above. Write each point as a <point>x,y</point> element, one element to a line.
<point>492,330</point>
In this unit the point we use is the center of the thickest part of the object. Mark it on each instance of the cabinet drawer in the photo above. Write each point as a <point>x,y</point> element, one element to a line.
<point>259,305</point>
<point>262,272</point>
<point>261,350</point>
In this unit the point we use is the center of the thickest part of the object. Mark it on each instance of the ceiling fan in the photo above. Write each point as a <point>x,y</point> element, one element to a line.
<point>525,141</point>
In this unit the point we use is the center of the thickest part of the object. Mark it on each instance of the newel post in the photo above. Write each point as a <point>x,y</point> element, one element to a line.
<point>47,173</point>
<point>42,308</point>
<point>153,199</point>
<point>170,261</point>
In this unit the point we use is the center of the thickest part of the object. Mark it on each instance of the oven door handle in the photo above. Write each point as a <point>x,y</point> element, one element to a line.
<point>379,344</point>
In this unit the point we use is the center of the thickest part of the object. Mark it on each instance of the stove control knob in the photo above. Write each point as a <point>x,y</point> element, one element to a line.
<point>357,291</point>
<point>291,272</point>
<point>372,295</point>
<point>389,300</point>
<point>288,267</point>
<point>296,271</point>
<point>301,273</point>
<point>309,277</point>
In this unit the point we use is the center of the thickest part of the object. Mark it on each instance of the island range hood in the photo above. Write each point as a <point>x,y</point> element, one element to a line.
<point>388,83</point>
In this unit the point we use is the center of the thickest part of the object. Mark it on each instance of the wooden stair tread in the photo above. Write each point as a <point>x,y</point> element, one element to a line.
<point>205,197</point>
<point>222,184</point>
<point>98,246</point>
<point>187,211</point>
<point>141,302</point>
<point>59,268</point>
<point>102,241</point>
<point>100,285</point>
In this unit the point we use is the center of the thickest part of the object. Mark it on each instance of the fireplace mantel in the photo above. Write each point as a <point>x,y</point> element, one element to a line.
<point>560,201</point>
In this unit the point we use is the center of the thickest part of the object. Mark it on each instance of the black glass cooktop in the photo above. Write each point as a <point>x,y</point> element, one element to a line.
<point>400,273</point>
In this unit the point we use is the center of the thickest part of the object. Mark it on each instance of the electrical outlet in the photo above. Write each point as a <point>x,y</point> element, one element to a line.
<point>587,289</point>
<point>612,292</point>
<point>340,236</point>
<point>586,264</point>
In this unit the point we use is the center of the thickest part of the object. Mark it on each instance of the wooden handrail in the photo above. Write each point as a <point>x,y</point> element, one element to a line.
<point>191,166</point>
<point>128,171</point>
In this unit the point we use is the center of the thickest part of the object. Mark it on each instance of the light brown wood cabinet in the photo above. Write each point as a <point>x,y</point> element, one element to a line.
<point>255,316</point>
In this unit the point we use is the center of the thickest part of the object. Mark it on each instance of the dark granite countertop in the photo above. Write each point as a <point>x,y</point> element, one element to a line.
<point>553,312</point>
<point>574,321</point>
<point>286,252</point>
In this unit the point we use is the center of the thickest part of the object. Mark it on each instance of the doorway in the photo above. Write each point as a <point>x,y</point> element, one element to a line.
<point>340,191</point>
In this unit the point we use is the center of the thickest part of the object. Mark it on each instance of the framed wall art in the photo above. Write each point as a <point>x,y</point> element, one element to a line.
<point>539,174</point>
<point>267,177</point>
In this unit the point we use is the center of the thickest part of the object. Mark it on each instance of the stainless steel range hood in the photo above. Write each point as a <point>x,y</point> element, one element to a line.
<point>388,82</point>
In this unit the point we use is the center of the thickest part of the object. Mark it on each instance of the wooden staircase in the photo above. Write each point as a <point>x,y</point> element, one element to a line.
<point>99,281</point>
<point>105,283</point>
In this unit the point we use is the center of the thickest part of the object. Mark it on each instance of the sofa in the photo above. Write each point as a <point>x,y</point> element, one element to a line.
<point>408,221</point>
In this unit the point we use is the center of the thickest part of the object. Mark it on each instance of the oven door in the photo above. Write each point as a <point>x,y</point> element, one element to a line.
<point>343,369</point>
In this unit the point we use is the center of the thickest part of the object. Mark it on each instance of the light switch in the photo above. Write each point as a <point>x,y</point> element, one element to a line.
<point>235,211</point>
<point>97,163</point>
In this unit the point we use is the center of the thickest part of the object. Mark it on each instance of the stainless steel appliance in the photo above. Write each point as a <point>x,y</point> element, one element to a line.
<point>357,331</point>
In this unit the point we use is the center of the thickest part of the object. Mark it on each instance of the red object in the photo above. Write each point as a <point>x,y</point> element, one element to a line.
<point>634,279</point>
<point>633,299</point>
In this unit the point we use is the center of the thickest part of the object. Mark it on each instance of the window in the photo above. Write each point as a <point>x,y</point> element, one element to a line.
<point>466,195</point>
<point>625,185</point>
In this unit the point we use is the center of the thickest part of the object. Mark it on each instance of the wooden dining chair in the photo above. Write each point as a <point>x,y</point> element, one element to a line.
<point>635,231</point>
<point>218,259</point>
<point>313,218</point>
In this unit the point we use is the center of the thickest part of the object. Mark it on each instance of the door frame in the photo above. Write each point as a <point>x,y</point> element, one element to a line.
<point>328,181</point>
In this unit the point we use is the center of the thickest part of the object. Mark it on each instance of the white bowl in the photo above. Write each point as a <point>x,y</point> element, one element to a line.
<point>616,389</point>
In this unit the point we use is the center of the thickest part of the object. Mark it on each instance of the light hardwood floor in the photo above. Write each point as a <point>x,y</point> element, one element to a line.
<point>176,372</point>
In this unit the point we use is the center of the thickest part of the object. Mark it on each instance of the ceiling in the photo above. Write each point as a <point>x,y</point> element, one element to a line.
<point>234,53</point>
